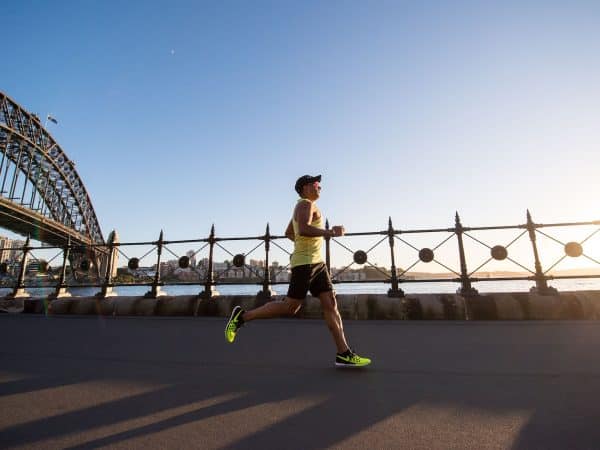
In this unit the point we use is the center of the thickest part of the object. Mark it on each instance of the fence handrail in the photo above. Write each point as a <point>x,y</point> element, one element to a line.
<point>277,237</point>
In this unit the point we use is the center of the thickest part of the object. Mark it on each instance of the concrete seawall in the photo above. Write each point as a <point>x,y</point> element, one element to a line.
<point>494,306</point>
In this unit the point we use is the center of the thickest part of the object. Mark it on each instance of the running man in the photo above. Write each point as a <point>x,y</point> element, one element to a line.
<point>309,273</point>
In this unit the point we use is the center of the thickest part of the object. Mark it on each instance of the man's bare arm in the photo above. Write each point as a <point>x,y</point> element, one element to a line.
<point>303,214</point>
<point>289,232</point>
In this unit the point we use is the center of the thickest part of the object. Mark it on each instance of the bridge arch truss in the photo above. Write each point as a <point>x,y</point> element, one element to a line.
<point>37,175</point>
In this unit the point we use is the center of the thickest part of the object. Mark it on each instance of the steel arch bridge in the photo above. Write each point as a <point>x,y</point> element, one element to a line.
<point>41,194</point>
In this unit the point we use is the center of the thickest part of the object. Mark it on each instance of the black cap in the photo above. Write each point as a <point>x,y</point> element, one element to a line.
<point>305,179</point>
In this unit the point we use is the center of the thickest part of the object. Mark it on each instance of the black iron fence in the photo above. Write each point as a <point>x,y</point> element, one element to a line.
<point>149,269</point>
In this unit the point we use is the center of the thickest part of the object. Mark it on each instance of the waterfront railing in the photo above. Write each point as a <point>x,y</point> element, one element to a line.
<point>466,244</point>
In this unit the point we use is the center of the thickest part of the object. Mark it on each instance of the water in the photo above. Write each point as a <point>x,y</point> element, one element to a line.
<point>342,288</point>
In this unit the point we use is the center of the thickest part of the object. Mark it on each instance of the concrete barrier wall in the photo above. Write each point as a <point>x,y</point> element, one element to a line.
<point>498,306</point>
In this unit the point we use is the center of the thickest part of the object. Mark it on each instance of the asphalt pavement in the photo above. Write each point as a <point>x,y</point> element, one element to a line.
<point>157,382</point>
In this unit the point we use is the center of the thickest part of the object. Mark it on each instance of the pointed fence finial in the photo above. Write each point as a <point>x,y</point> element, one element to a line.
<point>113,236</point>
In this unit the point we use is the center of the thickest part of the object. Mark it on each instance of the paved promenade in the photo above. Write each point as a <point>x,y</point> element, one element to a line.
<point>94,382</point>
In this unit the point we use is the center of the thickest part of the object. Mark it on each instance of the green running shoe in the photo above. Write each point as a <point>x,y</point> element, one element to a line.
<point>234,324</point>
<point>350,359</point>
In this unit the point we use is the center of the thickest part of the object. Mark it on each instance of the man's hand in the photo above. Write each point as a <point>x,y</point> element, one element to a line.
<point>337,230</point>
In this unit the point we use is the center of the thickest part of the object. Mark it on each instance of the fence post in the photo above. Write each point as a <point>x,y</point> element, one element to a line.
<point>266,293</point>
<point>209,290</point>
<point>466,289</point>
<point>541,285</point>
<point>19,289</point>
<point>328,248</point>
<point>394,291</point>
<point>61,287</point>
<point>155,290</point>
<point>107,287</point>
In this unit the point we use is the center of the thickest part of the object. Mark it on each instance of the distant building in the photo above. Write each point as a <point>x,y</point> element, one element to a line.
<point>221,266</point>
<point>33,267</point>
<point>192,255</point>
<point>350,275</point>
<point>10,249</point>
<point>280,275</point>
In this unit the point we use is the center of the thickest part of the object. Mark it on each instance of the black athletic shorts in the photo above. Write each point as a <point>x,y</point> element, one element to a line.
<point>313,277</point>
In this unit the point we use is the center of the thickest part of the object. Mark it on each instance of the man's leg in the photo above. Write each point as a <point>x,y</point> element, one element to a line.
<point>287,307</point>
<point>345,356</point>
<point>333,320</point>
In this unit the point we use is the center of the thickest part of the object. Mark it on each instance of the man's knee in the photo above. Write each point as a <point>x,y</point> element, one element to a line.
<point>293,305</point>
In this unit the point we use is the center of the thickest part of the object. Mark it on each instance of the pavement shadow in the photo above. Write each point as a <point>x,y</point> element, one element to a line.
<point>493,370</point>
<point>341,392</point>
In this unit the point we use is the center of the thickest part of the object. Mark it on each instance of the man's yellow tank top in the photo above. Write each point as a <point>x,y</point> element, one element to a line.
<point>307,250</point>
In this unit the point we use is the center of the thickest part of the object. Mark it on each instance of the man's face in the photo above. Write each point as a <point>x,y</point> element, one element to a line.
<point>312,191</point>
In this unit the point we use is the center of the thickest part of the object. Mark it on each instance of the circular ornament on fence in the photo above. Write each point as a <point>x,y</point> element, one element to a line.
<point>239,260</point>
<point>426,255</point>
<point>499,252</point>
<point>85,265</point>
<point>360,257</point>
<point>573,249</point>
<point>184,262</point>
<point>3,268</point>
<point>43,267</point>
<point>133,263</point>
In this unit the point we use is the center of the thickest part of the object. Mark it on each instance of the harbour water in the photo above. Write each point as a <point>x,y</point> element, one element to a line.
<point>342,288</point>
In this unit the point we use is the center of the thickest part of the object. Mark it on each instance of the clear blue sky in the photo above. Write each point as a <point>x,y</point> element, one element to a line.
<point>183,114</point>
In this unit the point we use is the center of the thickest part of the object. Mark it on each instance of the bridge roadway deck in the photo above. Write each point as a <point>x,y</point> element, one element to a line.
<point>27,222</point>
<point>90,382</point>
